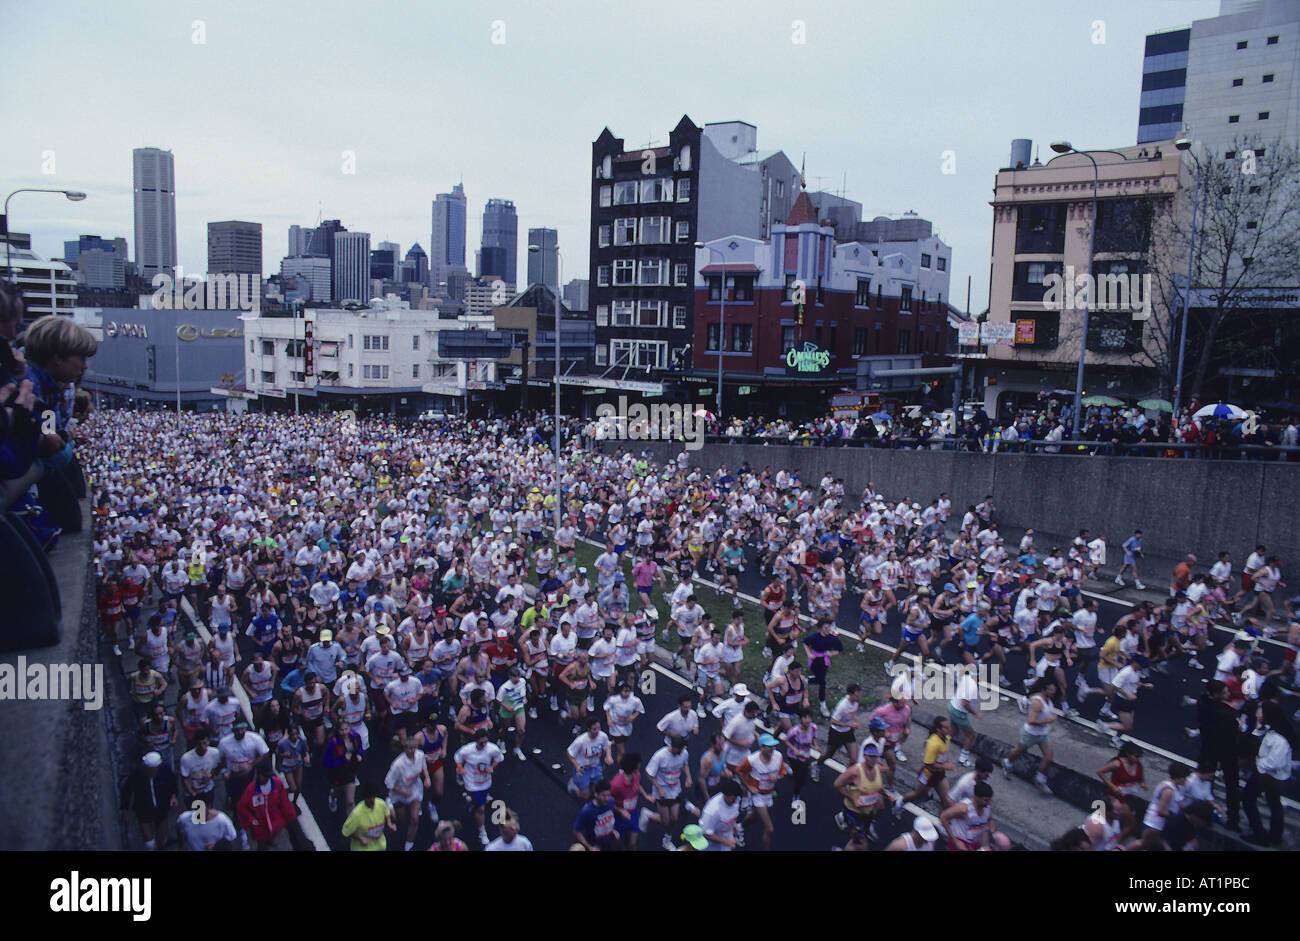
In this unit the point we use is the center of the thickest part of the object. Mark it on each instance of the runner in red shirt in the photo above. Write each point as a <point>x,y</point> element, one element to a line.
<point>111,608</point>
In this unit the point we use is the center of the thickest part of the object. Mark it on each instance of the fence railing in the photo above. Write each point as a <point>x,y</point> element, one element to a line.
<point>1158,449</point>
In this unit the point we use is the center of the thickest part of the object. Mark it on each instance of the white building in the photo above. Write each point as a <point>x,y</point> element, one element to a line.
<point>155,211</point>
<point>1228,79</point>
<point>483,294</point>
<point>48,287</point>
<point>385,356</point>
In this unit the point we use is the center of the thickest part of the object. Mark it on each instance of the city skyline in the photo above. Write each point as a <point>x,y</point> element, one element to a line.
<point>237,158</point>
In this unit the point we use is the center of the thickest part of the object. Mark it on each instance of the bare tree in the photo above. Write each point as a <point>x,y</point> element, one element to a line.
<point>1247,243</point>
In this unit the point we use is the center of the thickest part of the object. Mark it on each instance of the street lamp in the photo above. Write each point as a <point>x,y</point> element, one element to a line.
<point>75,196</point>
<point>1185,144</point>
<point>1064,147</point>
<point>559,268</point>
<point>722,329</point>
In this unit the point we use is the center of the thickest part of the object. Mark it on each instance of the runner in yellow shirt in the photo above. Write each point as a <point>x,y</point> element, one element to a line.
<point>365,826</point>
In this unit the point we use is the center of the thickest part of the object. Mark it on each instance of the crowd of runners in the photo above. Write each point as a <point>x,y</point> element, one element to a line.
<point>404,588</point>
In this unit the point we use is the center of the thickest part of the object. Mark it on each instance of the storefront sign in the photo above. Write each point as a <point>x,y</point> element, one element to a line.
<point>114,329</point>
<point>809,359</point>
<point>997,331</point>
<point>1025,331</point>
<point>188,332</point>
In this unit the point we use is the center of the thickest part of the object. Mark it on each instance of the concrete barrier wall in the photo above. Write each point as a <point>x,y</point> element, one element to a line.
<point>1180,505</point>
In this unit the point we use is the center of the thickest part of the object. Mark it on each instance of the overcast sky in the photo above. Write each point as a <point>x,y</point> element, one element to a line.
<point>259,114</point>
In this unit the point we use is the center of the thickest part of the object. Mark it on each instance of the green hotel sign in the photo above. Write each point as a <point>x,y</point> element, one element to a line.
<point>810,359</point>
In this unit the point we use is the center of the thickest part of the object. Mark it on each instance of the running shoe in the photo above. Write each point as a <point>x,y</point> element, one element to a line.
<point>900,756</point>
<point>1139,586</point>
<point>483,837</point>
<point>532,712</point>
<point>668,844</point>
<point>965,758</point>
<point>699,711</point>
<point>1006,766</point>
<point>692,809</point>
<point>1041,783</point>
<point>519,753</point>
<point>117,650</point>
<point>1080,695</point>
<point>644,820</point>
<point>1195,664</point>
<point>1103,728</point>
<point>1192,733</point>
<point>1107,712</point>
<point>1024,705</point>
<point>825,712</point>
<point>841,822</point>
<point>1119,580</point>
<point>1115,741</point>
<point>815,772</point>
<point>740,837</point>
<point>333,802</point>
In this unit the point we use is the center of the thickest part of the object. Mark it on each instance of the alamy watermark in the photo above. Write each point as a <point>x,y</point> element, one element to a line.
<point>215,292</point>
<point>934,682</point>
<point>658,422</point>
<point>83,681</point>
<point>1098,292</point>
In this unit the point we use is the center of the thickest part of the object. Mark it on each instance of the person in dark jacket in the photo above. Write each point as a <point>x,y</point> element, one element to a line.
<point>1220,735</point>
<point>264,809</point>
<point>150,791</point>
<point>19,430</point>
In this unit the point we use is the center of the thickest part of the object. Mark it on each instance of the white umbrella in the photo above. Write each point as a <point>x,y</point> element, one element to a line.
<point>1220,410</point>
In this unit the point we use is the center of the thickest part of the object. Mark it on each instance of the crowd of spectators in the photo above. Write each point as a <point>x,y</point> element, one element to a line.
<point>1109,431</point>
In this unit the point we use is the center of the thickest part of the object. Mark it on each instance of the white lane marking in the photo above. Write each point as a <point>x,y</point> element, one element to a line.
<point>308,823</point>
<point>1078,720</point>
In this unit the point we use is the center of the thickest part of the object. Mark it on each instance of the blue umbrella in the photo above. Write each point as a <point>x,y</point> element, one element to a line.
<point>1220,410</point>
<point>882,416</point>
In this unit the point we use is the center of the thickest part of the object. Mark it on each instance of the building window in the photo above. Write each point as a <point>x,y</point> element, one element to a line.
<point>1229,155</point>
<point>880,297</point>
<point>602,276</point>
<point>679,317</point>
<point>624,231</point>
<point>350,369</point>
<point>268,378</point>
<point>863,296</point>
<point>742,287</point>
<point>602,237</point>
<point>787,339</point>
<point>1268,78</point>
<point>1263,115</point>
<point>252,346</point>
<point>655,230</point>
<point>268,348</point>
<point>711,337</point>
<point>683,232</point>
<point>645,354</point>
<point>625,193</point>
<point>789,288</point>
<point>780,188</point>
<point>941,263</point>
<point>715,287</point>
<point>606,196</point>
<point>658,190</point>
<point>835,329</point>
<point>415,342</point>
<point>624,271</point>
<point>602,315</point>
<point>252,377</point>
<point>879,332</point>
<point>684,158</point>
<point>1243,44</point>
<point>653,272</point>
<point>624,311</point>
<point>681,272</point>
<point>1272,40</point>
<point>817,336</point>
<point>905,303</point>
<point>683,191</point>
<point>652,314</point>
<point>1238,82</point>
<point>349,341</point>
<point>742,338</point>
<point>415,370</point>
<point>602,355</point>
<point>904,341</point>
<point>859,341</point>
<point>925,260</point>
<point>1234,118</point>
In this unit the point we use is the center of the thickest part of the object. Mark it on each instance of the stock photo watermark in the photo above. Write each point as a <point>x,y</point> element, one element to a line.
<point>53,681</point>
<point>659,422</point>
